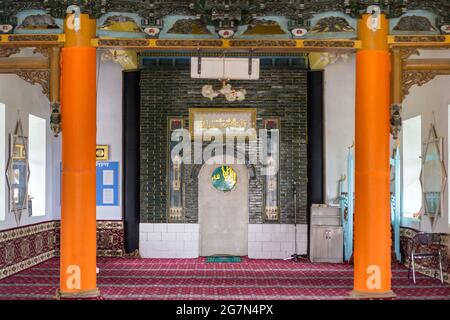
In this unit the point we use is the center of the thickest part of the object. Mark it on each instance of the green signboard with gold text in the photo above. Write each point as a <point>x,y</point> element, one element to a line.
<point>224,178</point>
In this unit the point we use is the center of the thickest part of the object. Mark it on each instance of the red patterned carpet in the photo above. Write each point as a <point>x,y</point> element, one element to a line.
<point>192,279</point>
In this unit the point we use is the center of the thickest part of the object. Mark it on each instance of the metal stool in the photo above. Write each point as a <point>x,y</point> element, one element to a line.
<point>426,246</point>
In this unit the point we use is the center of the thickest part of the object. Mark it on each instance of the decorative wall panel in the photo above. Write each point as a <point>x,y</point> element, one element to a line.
<point>169,91</point>
<point>24,247</point>
<point>175,201</point>
<point>110,238</point>
<point>271,179</point>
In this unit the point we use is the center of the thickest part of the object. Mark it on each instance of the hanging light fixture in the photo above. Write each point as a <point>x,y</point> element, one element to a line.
<point>230,94</point>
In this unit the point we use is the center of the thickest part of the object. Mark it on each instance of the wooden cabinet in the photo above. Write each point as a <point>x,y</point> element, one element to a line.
<point>326,244</point>
<point>327,238</point>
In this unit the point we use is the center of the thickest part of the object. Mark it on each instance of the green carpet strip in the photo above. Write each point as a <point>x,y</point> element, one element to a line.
<point>223,259</point>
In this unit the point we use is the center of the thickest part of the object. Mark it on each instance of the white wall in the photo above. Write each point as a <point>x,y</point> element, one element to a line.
<point>19,95</point>
<point>109,131</point>
<point>181,240</point>
<point>339,117</point>
<point>109,125</point>
<point>431,101</point>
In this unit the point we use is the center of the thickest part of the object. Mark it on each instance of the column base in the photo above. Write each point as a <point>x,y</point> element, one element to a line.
<point>372,295</point>
<point>86,294</point>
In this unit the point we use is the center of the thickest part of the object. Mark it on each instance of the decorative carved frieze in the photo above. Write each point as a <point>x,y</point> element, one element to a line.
<point>41,77</point>
<point>263,43</point>
<point>55,119</point>
<point>263,27</point>
<point>225,14</point>
<point>414,23</point>
<point>332,24</point>
<point>6,52</point>
<point>123,42</point>
<point>328,44</point>
<point>189,26</point>
<point>45,51</point>
<point>419,38</point>
<point>411,78</point>
<point>396,120</point>
<point>128,59</point>
<point>188,43</point>
<point>408,52</point>
<point>33,38</point>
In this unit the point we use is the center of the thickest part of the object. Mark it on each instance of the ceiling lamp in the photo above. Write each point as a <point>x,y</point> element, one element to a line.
<point>230,94</point>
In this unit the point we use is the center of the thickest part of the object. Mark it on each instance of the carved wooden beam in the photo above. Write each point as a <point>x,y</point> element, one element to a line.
<point>420,71</point>
<point>419,78</point>
<point>6,52</point>
<point>46,51</point>
<point>7,64</point>
<point>407,52</point>
<point>41,77</point>
<point>419,40</point>
<point>35,70</point>
<point>262,45</point>
<point>439,65</point>
<point>32,40</point>
<point>32,70</point>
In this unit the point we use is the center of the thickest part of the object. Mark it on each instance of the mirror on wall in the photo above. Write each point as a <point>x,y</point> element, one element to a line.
<point>18,172</point>
<point>433,176</point>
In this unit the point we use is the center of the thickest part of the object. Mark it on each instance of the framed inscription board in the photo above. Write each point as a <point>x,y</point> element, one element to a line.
<point>225,119</point>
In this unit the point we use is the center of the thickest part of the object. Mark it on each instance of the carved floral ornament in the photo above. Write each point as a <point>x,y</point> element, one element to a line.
<point>411,78</point>
<point>408,52</point>
<point>224,15</point>
<point>230,94</point>
<point>41,77</point>
<point>6,52</point>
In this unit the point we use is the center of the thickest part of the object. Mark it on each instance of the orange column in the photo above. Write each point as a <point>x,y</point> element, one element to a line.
<point>78,203</point>
<point>372,245</point>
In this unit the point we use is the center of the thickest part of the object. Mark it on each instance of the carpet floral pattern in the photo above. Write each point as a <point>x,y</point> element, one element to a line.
<point>425,266</point>
<point>24,247</point>
<point>194,279</point>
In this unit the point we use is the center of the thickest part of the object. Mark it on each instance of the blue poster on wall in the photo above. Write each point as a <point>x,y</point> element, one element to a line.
<point>107,183</point>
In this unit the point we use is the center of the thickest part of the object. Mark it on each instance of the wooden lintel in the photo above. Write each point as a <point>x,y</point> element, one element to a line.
<point>32,40</point>
<point>420,41</point>
<point>23,64</point>
<point>261,45</point>
<point>427,64</point>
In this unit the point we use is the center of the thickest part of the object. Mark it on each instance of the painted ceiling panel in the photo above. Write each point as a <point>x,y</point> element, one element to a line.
<point>223,18</point>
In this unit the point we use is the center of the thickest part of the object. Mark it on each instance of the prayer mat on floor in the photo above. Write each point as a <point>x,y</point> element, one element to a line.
<point>223,259</point>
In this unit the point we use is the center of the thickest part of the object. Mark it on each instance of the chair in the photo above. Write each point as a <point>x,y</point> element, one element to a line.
<point>426,246</point>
